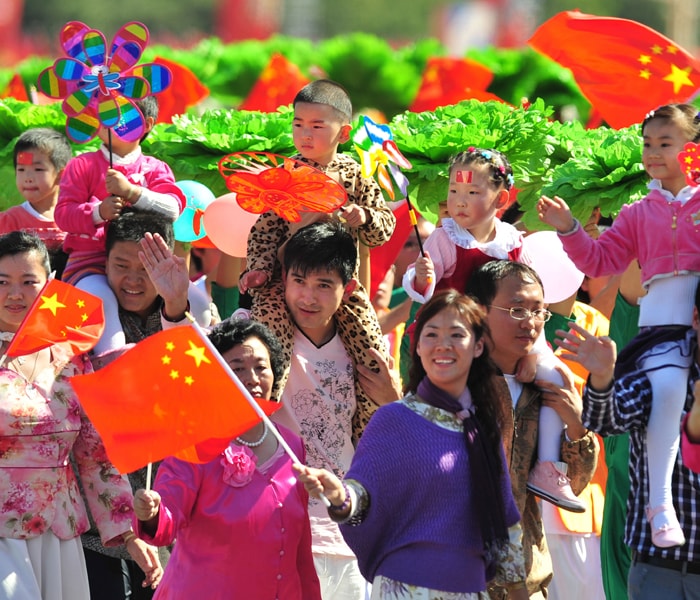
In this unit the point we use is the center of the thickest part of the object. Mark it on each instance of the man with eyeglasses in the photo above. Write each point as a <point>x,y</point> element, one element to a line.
<point>511,293</point>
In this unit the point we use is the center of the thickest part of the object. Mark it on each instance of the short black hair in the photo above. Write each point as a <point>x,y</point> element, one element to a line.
<point>484,282</point>
<point>325,91</point>
<point>23,242</point>
<point>233,332</point>
<point>322,246</point>
<point>49,141</point>
<point>132,225</point>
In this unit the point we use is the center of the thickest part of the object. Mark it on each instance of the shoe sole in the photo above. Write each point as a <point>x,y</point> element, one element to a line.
<point>577,508</point>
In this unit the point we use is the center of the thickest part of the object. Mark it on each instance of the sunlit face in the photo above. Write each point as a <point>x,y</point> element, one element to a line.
<point>22,276</point>
<point>313,300</point>
<point>128,279</point>
<point>512,339</point>
<point>317,131</point>
<point>250,361</point>
<point>447,347</point>
<point>472,200</point>
<point>663,140</point>
<point>37,179</point>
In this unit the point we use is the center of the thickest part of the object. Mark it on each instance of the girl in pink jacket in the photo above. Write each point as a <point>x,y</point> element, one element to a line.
<point>662,232</point>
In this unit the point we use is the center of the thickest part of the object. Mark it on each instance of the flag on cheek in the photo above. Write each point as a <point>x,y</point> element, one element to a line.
<point>624,68</point>
<point>61,314</point>
<point>166,396</point>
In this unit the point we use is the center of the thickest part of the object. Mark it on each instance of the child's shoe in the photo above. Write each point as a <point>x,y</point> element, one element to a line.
<point>548,480</point>
<point>666,531</point>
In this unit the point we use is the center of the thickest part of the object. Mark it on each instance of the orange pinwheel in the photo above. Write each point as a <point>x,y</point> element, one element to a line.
<point>264,181</point>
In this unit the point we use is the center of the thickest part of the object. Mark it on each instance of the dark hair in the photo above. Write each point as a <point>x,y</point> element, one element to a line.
<point>22,242</point>
<point>500,171</point>
<point>132,225</point>
<point>233,332</point>
<point>325,91</point>
<point>49,141</point>
<point>484,283</point>
<point>685,116</point>
<point>481,380</point>
<point>322,246</point>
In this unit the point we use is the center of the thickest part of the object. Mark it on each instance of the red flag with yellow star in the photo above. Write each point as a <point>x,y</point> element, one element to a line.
<point>61,314</point>
<point>166,396</point>
<point>277,85</point>
<point>624,68</point>
<point>449,81</point>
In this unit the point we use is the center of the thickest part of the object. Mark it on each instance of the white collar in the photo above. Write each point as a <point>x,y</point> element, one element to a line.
<point>129,159</point>
<point>683,196</point>
<point>507,238</point>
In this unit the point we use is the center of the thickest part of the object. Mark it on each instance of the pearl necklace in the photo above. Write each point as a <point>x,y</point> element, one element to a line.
<point>256,443</point>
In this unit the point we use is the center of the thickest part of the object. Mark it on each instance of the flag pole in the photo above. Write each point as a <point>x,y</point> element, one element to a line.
<point>246,394</point>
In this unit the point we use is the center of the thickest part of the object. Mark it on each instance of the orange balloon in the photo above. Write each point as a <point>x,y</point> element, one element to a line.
<point>228,225</point>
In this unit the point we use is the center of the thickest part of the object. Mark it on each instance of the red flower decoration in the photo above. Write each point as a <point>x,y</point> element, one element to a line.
<point>264,181</point>
<point>689,159</point>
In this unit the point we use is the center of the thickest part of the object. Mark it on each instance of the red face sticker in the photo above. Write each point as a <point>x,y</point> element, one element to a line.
<point>463,176</point>
<point>25,158</point>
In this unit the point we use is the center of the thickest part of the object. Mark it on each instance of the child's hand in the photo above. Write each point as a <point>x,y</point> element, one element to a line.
<point>352,214</point>
<point>252,279</point>
<point>118,185</point>
<point>555,212</point>
<point>146,504</point>
<point>425,273</point>
<point>110,208</point>
<point>526,368</point>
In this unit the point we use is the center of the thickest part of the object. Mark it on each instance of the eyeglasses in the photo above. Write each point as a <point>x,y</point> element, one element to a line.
<point>520,313</point>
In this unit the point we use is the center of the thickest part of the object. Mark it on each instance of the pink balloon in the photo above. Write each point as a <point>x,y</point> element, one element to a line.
<point>228,225</point>
<point>559,275</point>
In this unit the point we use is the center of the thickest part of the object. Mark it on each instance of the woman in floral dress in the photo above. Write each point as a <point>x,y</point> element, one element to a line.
<point>42,513</point>
<point>427,505</point>
<point>240,520</point>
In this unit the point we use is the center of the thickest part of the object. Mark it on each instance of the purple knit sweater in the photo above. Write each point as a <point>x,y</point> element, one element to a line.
<point>420,527</point>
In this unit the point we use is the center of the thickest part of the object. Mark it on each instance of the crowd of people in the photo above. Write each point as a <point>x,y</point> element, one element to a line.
<point>432,441</point>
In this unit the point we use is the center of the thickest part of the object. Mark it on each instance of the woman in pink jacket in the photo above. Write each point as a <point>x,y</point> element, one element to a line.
<point>241,520</point>
<point>662,232</point>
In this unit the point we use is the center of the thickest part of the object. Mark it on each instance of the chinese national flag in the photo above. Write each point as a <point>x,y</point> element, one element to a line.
<point>186,90</point>
<point>166,396</point>
<point>624,68</point>
<point>15,89</point>
<point>451,80</point>
<point>61,314</point>
<point>277,85</point>
<point>382,257</point>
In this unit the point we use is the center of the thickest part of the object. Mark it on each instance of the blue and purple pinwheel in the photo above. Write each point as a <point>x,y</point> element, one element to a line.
<point>98,85</point>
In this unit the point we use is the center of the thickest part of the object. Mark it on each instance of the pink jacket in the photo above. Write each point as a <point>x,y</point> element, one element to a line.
<point>689,450</point>
<point>663,235</point>
<point>83,187</point>
<point>248,538</point>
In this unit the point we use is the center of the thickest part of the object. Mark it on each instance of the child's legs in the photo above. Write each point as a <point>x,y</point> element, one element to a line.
<point>550,424</point>
<point>668,392</point>
<point>113,336</point>
<point>270,309</point>
<point>200,305</point>
<point>359,330</point>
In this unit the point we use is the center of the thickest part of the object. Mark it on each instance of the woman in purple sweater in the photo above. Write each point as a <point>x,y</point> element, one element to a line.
<point>427,505</point>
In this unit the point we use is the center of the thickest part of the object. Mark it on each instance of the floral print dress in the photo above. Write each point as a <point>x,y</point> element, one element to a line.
<point>41,424</point>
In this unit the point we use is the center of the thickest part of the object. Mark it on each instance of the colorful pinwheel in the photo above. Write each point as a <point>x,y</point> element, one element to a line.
<point>689,159</point>
<point>98,85</point>
<point>379,153</point>
<point>264,181</point>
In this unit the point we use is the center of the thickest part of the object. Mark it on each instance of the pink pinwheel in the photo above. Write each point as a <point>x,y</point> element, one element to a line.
<point>98,88</point>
